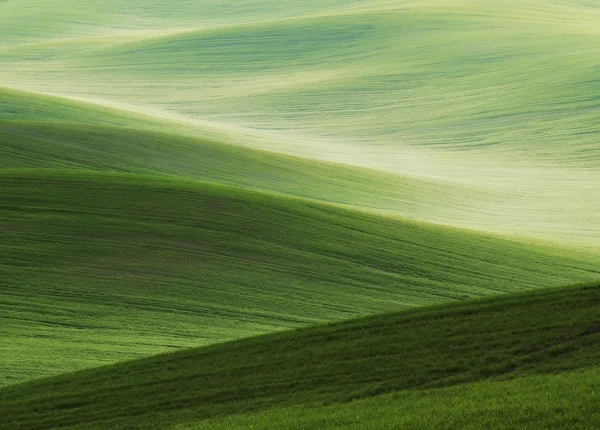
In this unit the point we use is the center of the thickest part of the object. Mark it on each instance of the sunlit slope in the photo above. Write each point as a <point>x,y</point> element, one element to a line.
<point>99,268</point>
<point>34,145</point>
<point>31,21</point>
<point>26,106</point>
<point>49,132</point>
<point>540,347</point>
<point>500,95</point>
<point>37,131</point>
<point>502,81</point>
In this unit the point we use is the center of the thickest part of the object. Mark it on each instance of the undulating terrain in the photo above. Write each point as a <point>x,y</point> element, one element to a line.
<point>319,214</point>
<point>514,361</point>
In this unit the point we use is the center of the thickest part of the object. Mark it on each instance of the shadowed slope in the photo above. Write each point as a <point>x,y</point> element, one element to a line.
<point>560,400</point>
<point>99,268</point>
<point>543,333</point>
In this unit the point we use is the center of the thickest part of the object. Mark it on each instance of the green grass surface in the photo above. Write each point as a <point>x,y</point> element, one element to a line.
<point>177,175</point>
<point>35,21</point>
<point>541,346</point>
<point>54,144</point>
<point>438,74</point>
<point>98,268</point>
<point>497,96</point>
<point>39,131</point>
<point>566,400</point>
<point>25,106</point>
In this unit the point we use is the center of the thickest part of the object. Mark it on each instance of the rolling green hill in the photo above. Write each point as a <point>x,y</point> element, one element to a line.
<point>35,21</point>
<point>195,195</point>
<point>67,145</point>
<point>464,361</point>
<point>98,268</point>
<point>497,96</point>
<point>563,400</point>
<point>509,82</point>
<point>50,132</point>
<point>38,131</point>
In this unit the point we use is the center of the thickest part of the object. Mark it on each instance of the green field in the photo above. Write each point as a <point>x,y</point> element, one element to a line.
<point>440,363</point>
<point>500,96</point>
<point>567,400</point>
<point>104,267</point>
<point>327,214</point>
<point>50,133</point>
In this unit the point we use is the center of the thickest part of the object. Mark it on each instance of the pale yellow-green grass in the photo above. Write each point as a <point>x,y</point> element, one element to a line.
<point>31,21</point>
<point>502,97</point>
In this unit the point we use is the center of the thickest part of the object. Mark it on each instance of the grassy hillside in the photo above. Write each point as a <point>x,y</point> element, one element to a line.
<point>214,174</point>
<point>509,82</point>
<point>543,347</point>
<point>563,400</point>
<point>38,131</point>
<point>54,144</point>
<point>98,268</point>
<point>49,132</point>
<point>35,21</point>
<point>497,96</point>
<point>26,106</point>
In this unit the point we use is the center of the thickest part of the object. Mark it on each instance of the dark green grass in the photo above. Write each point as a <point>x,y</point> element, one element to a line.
<point>97,268</point>
<point>566,400</point>
<point>541,333</point>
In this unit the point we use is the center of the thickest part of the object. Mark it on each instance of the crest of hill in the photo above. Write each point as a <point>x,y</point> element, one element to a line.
<point>50,132</point>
